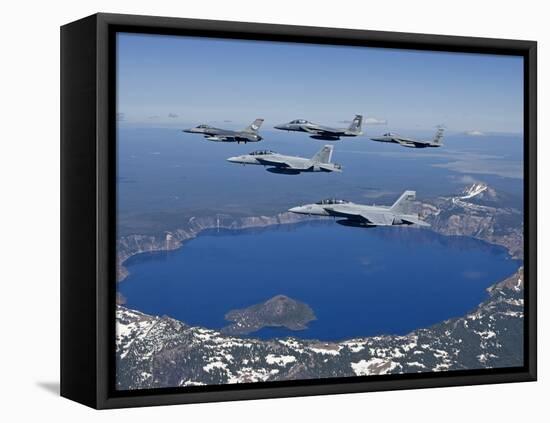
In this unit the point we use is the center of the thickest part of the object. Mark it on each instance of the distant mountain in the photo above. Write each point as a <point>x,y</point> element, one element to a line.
<point>482,194</point>
<point>477,190</point>
<point>478,211</point>
<point>157,352</point>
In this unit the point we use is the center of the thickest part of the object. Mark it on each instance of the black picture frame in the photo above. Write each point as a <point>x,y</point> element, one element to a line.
<point>88,200</point>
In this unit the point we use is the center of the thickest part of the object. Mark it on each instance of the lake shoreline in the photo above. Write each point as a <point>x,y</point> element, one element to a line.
<point>217,263</point>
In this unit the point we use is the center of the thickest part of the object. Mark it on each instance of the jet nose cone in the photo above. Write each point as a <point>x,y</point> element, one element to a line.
<point>233,159</point>
<point>297,209</point>
<point>281,126</point>
<point>188,130</point>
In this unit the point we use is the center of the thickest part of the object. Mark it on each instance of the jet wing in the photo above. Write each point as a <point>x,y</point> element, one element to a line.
<point>233,137</point>
<point>219,135</point>
<point>226,133</point>
<point>415,221</point>
<point>409,143</point>
<point>323,130</point>
<point>376,219</point>
<point>329,167</point>
<point>273,161</point>
<point>242,136</point>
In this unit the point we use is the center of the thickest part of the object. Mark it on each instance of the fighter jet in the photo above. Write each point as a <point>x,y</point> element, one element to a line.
<point>363,215</point>
<point>320,132</point>
<point>410,142</point>
<point>248,134</point>
<point>290,165</point>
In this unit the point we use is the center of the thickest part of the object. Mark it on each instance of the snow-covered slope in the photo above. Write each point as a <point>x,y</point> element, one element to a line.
<point>473,190</point>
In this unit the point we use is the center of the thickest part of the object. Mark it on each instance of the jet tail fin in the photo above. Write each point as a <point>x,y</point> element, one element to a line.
<point>254,126</point>
<point>438,135</point>
<point>403,203</point>
<point>355,125</point>
<point>324,155</point>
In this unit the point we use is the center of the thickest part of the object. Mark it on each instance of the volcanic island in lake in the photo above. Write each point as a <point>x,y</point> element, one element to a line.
<point>278,311</point>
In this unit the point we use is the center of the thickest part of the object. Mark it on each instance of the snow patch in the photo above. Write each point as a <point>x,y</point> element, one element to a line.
<point>488,334</point>
<point>374,366</point>
<point>191,383</point>
<point>416,364</point>
<point>327,350</point>
<point>214,365</point>
<point>280,360</point>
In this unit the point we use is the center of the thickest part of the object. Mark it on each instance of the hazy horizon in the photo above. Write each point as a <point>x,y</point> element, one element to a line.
<point>183,81</point>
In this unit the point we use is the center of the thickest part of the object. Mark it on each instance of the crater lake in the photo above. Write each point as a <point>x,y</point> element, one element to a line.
<point>358,282</point>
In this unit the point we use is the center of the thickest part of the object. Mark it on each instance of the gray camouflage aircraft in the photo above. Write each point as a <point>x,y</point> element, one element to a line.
<point>320,132</point>
<point>290,165</point>
<point>248,134</point>
<point>363,215</point>
<point>410,142</point>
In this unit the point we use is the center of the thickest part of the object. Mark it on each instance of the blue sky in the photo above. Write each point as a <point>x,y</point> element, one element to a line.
<point>182,81</point>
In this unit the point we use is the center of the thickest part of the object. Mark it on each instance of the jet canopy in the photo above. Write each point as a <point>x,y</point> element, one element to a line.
<point>203,126</point>
<point>262,153</point>
<point>389,134</point>
<point>332,201</point>
<point>299,121</point>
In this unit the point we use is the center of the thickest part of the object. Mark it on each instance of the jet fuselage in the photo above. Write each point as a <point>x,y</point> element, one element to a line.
<point>365,215</point>
<point>290,165</point>
<point>321,132</point>
<point>411,142</point>
<point>249,134</point>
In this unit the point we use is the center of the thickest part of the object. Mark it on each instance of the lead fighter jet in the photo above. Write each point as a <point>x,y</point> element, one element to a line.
<point>290,165</point>
<point>248,134</point>
<point>363,215</point>
<point>410,142</point>
<point>320,132</point>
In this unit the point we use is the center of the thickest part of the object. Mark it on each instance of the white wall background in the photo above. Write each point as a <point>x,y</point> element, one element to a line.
<point>29,157</point>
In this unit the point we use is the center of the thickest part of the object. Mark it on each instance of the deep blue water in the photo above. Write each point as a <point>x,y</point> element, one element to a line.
<point>359,282</point>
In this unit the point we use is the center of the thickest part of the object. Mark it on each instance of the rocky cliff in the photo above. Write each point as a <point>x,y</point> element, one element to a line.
<point>477,212</point>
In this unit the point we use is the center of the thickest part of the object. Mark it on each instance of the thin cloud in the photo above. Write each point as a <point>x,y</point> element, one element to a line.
<point>475,133</point>
<point>375,121</point>
<point>467,179</point>
<point>172,115</point>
